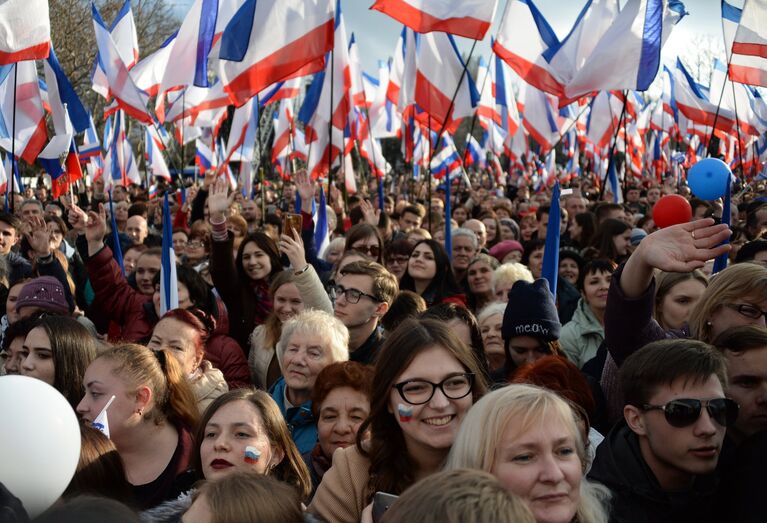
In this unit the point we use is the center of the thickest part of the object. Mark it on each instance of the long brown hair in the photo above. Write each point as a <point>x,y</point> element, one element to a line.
<point>292,469</point>
<point>391,468</point>
<point>273,325</point>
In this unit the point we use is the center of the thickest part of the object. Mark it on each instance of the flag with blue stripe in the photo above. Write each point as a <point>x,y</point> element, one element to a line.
<point>117,251</point>
<point>168,278</point>
<point>550,269</point>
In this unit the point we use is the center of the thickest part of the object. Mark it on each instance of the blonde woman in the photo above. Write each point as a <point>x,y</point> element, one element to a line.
<point>505,276</point>
<point>528,438</point>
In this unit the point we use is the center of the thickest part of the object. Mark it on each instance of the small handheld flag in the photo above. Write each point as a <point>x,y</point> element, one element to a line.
<point>102,420</point>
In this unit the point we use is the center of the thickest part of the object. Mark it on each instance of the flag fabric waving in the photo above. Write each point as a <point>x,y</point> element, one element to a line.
<point>748,62</point>
<point>273,40</point>
<point>469,18</point>
<point>25,30</point>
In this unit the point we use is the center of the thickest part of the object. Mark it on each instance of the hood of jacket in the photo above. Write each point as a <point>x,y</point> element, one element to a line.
<point>208,382</point>
<point>296,416</point>
<point>586,321</point>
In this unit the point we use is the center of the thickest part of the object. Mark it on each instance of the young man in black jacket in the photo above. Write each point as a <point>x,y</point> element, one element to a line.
<point>660,462</point>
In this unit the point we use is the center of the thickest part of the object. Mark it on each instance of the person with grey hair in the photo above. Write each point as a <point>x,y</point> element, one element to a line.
<point>465,247</point>
<point>309,342</point>
<point>31,208</point>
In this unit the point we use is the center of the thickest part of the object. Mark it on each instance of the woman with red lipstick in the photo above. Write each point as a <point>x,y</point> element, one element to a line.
<point>584,333</point>
<point>150,419</point>
<point>340,403</point>
<point>243,430</point>
<point>529,439</point>
<point>425,381</point>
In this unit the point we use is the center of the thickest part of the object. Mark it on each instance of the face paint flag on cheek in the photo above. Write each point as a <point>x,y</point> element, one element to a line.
<point>251,455</point>
<point>405,413</point>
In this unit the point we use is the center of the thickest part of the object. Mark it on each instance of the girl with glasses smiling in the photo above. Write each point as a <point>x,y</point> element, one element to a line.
<point>425,381</point>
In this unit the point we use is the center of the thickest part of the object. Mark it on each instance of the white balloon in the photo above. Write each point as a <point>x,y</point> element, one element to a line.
<point>39,442</point>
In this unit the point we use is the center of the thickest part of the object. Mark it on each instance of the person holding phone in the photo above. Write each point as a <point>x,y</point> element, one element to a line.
<point>242,280</point>
<point>424,383</point>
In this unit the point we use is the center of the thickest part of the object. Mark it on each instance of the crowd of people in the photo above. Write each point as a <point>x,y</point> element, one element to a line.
<point>388,374</point>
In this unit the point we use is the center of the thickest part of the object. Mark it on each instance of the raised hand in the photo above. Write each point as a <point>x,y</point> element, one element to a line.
<point>305,188</point>
<point>218,201</point>
<point>370,214</point>
<point>38,236</point>
<point>679,248</point>
<point>96,228</point>
<point>209,179</point>
<point>78,219</point>
<point>293,247</point>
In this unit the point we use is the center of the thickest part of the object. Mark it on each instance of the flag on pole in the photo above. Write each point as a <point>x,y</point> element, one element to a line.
<point>123,31</point>
<point>50,159</point>
<point>273,40</point>
<point>748,62</point>
<point>61,93</point>
<point>550,268</point>
<point>721,261</point>
<point>117,251</point>
<point>321,235</point>
<point>121,85</point>
<point>168,278</point>
<point>25,30</point>
<point>30,133</point>
<point>469,18</point>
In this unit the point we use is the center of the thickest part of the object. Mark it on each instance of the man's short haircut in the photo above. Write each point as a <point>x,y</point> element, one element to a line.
<point>414,209</point>
<point>742,339</point>
<point>604,208</point>
<point>465,231</point>
<point>385,286</point>
<point>11,220</point>
<point>750,249</point>
<point>33,201</point>
<point>660,363</point>
<point>138,209</point>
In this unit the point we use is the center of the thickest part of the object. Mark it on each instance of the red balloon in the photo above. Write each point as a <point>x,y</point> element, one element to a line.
<point>671,210</point>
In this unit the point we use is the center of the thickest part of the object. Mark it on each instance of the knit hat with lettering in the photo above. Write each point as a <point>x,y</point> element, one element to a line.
<point>531,312</point>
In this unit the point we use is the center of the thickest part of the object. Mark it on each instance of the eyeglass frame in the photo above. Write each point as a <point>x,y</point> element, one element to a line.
<point>335,292</point>
<point>738,307</point>
<point>368,249</point>
<point>702,404</point>
<point>401,385</point>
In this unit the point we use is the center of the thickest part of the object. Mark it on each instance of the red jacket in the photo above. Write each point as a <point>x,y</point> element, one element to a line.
<point>135,314</point>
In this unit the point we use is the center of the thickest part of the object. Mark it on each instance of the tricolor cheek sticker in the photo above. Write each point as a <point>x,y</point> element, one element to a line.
<point>405,413</point>
<point>251,455</point>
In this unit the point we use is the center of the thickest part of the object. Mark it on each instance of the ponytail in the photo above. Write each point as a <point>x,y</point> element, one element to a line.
<point>174,400</point>
<point>179,403</point>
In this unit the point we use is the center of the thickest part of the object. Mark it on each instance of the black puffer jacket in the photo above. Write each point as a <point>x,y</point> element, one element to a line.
<point>637,496</point>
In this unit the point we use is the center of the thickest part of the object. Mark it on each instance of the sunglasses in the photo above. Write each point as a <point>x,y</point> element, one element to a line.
<point>370,250</point>
<point>684,412</point>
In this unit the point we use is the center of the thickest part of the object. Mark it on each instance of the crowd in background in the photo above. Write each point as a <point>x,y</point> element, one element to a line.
<point>296,381</point>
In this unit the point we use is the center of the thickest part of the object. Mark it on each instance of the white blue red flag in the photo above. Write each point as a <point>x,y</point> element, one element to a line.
<point>25,30</point>
<point>30,117</point>
<point>469,18</point>
<point>267,41</point>
<point>123,31</point>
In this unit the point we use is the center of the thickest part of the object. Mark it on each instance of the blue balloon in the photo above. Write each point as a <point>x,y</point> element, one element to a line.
<point>708,178</point>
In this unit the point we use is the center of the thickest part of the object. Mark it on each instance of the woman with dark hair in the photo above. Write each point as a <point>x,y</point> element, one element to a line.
<point>463,324</point>
<point>365,238</point>
<point>533,256</point>
<point>100,470</point>
<point>150,418</point>
<point>584,333</point>
<point>397,255</point>
<point>429,274</point>
<point>582,229</point>
<point>242,282</point>
<point>241,432</point>
<point>184,333</point>
<point>57,350</point>
<point>340,403</point>
<point>425,381</point>
<point>12,353</point>
<point>493,227</point>
<point>612,240</point>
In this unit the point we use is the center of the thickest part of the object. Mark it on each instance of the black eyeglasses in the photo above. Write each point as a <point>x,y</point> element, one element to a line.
<point>749,311</point>
<point>418,392</point>
<point>352,295</point>
<point>684,412</point>
<point>371,250</point>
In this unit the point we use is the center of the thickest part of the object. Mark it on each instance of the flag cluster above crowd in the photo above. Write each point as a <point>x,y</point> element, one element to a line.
<point>264,285</point>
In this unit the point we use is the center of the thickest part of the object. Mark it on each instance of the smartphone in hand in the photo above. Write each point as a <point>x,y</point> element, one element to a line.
<point>381,503</point>
<point>292,222</point>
